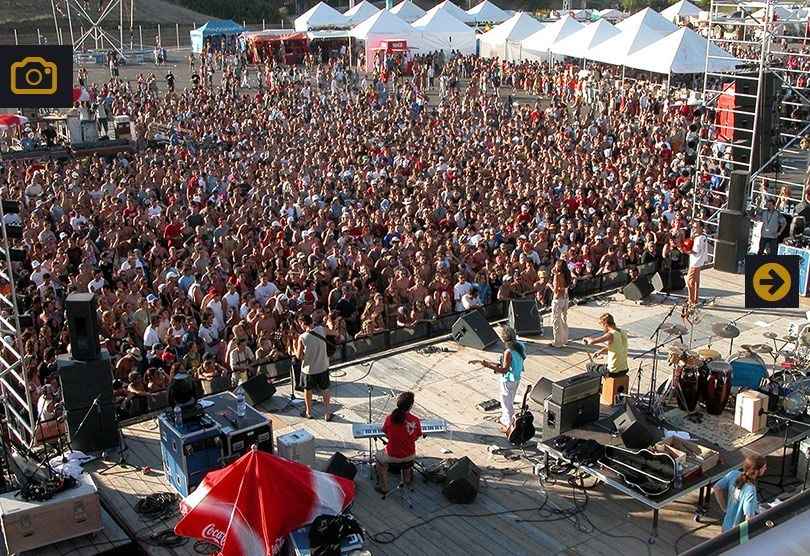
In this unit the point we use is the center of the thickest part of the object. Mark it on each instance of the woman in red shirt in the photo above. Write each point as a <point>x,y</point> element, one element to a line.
<point>402,430</point>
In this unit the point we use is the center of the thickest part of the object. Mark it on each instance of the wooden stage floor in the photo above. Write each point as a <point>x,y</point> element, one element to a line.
<point>447,387</point>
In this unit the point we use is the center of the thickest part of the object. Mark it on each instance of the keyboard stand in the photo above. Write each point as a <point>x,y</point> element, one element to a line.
<point>370,459</point>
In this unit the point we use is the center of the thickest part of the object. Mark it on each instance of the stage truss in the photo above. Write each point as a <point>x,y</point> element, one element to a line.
<point>91,34</point>
<point>773,38</point>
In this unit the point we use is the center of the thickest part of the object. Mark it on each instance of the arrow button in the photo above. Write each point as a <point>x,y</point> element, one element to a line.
<point>774,281</point>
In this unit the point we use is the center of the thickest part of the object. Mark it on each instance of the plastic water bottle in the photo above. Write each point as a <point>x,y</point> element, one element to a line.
<point>178,416</point>
<point>678,476</point>
<point>241,406</point>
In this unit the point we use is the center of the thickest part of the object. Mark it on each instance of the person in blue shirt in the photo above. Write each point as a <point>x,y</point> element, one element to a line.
<point>510,368</point>
<point>737,492</point>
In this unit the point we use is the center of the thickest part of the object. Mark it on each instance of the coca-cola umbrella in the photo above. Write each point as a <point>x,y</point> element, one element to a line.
<point>249,507</point>
<point>11,120</point>
<point>80,94</point>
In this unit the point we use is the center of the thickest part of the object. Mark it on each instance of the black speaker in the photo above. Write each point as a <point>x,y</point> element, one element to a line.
<point>463,478</point>
<point>87,394</point>
<point>473,330</point>
<point>797,226</point>
<point>637,433</point>
<point>738,190</point>
<point>525,318</point>
<point>668,281</point>
<point>802,209</point>
<point>258,389</point>
<point>341,466</point>
<point>559,418</point>
<point>733,232</point>
<point>83,326</point>
<point>639,289</point>
<point>541,390</point>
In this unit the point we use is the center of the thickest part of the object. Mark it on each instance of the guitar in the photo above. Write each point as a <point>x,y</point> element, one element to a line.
<point>479,362</point>
<point>522,429</point>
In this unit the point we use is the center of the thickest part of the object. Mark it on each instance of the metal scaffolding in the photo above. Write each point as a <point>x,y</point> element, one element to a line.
<point>94,36</point>
<point>768,101</point>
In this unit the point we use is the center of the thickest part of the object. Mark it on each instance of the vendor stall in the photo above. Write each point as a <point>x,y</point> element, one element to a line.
<point>288,49</point>
<point>220,34</point>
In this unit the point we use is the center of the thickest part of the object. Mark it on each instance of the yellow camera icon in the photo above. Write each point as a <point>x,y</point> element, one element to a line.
<point>33,75</point>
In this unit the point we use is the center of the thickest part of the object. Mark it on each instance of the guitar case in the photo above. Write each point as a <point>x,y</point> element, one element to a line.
<point>650,473</point>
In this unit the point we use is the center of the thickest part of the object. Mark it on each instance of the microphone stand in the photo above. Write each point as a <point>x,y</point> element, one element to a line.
<point>654,374</point>
<point>370,460</point>
<point>788,422</point>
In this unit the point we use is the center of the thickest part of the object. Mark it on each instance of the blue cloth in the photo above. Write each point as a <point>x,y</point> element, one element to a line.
<point>741,503</point>
<point>516,367</point>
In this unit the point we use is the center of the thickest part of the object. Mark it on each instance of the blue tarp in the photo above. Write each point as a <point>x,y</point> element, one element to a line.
<point>215,28</point>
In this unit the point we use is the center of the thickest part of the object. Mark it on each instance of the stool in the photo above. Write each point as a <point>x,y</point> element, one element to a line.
<point>612,386</point>
<point>403,488</point>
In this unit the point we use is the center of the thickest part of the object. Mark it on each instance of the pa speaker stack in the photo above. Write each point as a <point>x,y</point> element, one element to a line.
<point>524,317</point>
<point>83,326</point>
<point>472,330</point>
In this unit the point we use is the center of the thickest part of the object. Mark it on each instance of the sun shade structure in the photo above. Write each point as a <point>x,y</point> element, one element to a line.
<point>488,12</point>
<point>408,11</point>
<point>539,45</point>
<point>683,51</point>
<point>383,23</point>
<point>591,36</point>
<point>321,16</point>
<point>637,31</point>
<point>441,31</point>
<point>503,41</point>
<point>611,14</point>
<point>360,12</point>
<point>684,8</point>
<point>213,29</point>
<point>454,10</point>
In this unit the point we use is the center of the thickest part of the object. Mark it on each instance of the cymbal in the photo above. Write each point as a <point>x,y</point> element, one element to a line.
<point>674,329</point>
<point>747,347</point>
<point>771,335</point>
<point>762,348</point>
<point>707,353</point>
<point>725,330</point>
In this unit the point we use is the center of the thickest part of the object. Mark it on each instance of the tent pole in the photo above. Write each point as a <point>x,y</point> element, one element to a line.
<point>623,68</point>
<point>669,81</point>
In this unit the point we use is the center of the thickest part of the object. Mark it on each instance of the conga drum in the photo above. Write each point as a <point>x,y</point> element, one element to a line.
<point>717,387</point>
<point>687,388</point>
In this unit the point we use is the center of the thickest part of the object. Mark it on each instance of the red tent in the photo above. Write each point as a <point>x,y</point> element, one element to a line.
<point>249,507</point>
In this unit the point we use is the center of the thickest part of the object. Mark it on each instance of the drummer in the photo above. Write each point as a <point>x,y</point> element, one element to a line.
<point>615,340</point>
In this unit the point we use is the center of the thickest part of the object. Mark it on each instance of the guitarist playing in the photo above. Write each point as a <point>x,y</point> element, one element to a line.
<point>510,368</point>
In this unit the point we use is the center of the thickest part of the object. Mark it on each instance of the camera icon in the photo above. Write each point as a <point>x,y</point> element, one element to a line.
<point>33,75</point>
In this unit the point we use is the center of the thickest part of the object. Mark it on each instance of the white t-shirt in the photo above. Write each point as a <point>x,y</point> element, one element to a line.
<point>265,291</point>
<point>699,255</point>
<point>459,290</point>
<point>96,285</point>
<point>150,337</point>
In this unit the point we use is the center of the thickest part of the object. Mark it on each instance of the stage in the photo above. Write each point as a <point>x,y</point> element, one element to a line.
<point>447,387</point>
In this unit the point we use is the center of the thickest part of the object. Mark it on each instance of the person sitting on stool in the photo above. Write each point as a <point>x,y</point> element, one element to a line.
<point>402,429</point>
<point>615,340</point>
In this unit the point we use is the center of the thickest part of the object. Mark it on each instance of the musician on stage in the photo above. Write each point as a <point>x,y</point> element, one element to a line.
<point>402,429</point>
<point>615,340</point>
<point>698,257</point>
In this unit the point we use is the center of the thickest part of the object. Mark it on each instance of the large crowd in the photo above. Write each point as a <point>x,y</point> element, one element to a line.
<point>366,200</point>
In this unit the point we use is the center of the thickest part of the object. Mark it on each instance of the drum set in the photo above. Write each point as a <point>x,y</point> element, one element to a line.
<point>700,375</point>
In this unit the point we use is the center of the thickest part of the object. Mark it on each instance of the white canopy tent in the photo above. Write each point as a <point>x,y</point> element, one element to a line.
<point>487,12</point>
<point>454,10</point>
<point>384,26</point>
<point>590,36</point>
<point>637,31</point>
<point>538,46</point>
<point>681,9</point>
<point>611,14</point>
<point>321,16</point>
<point>360,12</point>
<point>683,51</point>
<point>496,42</point>
<point>408,11</point>
<point>439,30</point>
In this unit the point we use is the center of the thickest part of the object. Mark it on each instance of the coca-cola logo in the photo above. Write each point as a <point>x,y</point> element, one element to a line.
<point>214,535</point>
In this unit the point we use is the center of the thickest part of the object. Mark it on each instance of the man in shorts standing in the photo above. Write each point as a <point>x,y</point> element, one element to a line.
<point>311,352</point>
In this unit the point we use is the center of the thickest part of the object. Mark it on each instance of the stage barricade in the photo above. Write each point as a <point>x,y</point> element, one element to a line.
<point>409,334</point>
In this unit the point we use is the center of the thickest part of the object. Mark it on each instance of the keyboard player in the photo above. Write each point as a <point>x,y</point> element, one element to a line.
<point>402,429</point>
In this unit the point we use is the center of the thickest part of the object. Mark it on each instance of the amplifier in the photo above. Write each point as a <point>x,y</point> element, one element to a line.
<point>189,451</point>
<point>297,446</point>
<point>238,434</point>
<point>575,388</point>
<point>69,514</point>
<point>297,543</point>
<point>559,418</point>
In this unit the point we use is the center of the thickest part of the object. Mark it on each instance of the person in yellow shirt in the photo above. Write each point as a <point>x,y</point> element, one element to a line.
<point>615,340</point>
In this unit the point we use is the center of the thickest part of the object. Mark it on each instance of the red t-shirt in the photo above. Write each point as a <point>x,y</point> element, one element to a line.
<point>402,438</point>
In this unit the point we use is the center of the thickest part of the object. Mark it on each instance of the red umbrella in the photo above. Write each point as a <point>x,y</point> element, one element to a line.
<point>80,94</point>
<point>249,507</point>
<point>9,120</point>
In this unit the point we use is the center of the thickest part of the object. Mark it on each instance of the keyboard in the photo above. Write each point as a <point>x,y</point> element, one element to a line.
<point>374,430</point>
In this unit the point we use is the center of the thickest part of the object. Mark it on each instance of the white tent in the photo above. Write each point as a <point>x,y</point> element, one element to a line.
<point>611,14</point>
<point>637,31</point>
<point>454,10</point>
<point>384,26</point>
<point>683,51</point>
<point>360,12</point>
<point>408,11</point>
<point>579,43</point>
<point>439,30</point>
<point>683,8</point>
<point>496,42</point>
<point>488,12</point>
<point>539,45</point>
<point>320,16</point>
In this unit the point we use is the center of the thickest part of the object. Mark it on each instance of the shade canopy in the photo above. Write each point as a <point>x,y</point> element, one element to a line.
<point>486,11</point>
<point>539,44</point>
<point>454,10</point>
<point>683,51</point>
<point>439,30</point>
<point>408,11</point>
<point>591,36</point>
<point>383,23</point>
<point>611,14</point>
<point>213,28</point>
<point>321,16</point>
<point>684,8</point>
<point>360,12</point>
<point>495,43</point>
<point>637,31</point>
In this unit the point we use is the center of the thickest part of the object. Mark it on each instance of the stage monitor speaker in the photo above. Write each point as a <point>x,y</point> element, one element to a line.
<point>463,478</point>
<point>732,241</point>
<point>738,190</point>
<point>258,389</point>
<point>639,289</point>
<point>637,433</point>
<point>559,418</point>
<point>541,390</point>
<point>82,321</point>
<point>340,466</point>
<point>90,411</point>
<point>524,317</point>
<point>472,330</point>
